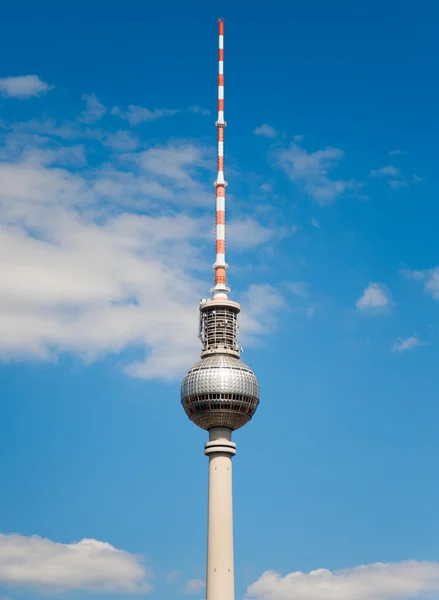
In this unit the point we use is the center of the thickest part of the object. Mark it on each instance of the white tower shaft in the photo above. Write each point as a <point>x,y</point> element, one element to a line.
<point>220,581</point>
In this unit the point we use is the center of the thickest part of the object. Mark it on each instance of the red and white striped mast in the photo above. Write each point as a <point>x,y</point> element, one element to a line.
<point>220,289</point>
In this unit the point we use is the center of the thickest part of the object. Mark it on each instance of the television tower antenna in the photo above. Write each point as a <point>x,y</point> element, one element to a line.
<point>220,393</point>
<point>220,289</point>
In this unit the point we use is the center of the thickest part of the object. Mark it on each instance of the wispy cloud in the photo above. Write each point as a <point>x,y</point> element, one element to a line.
<point>248,233</point>
<point>303,304</point>
<point>199,110</point>
<point>397,152</point>
<point>311,311</point>
<point>430,277</point>
<point>400,581</point>
<point>415,275</point>
<point>265,131</point>
<point>173,576</point>
<point>315,223</point>
<point>94,110</point>
<point>138,114</point>
<point>193,586</point>
<point>313,169</point>
<point>394,177</point>
<point>24,86</point>
<point>409,343</point>
<point>176,161</point>
<point>389,171</point>
<point>432,282</point>
<point>262,303</point>
<point>88,565</point>
<point>397,183</point>
<point>71,130</point>
<point>121,141</point>
<point>376,299</point>
<point>298,288</point>
<point>107,256</point>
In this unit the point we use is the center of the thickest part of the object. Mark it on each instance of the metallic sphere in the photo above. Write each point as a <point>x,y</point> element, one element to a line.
<point>220,391</point>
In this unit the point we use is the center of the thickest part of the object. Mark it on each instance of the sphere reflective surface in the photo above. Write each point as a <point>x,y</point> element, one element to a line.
<point>220,391</point>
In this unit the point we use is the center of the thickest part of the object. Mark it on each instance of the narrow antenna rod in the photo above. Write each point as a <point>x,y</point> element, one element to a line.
<point>220,289</point>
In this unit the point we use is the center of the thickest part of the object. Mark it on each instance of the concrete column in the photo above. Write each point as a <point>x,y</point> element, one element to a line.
<point>220,572</point>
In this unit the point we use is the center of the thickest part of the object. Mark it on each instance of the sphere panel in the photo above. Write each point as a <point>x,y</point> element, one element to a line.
<point>220,391</point>
<point>220,373</point>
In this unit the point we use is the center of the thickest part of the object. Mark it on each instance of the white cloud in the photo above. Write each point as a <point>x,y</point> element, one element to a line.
<point>312,169</point>
<point>311,311</point>
<point>375,299</point>
<point>265,130</point>
<point>396,152</point>
<point>315,223</point>
<point>303,303</point>
<point>111,256</point>
<point>194,586</point>
<point>199,110</point>
<point>121,141</point>
<point>394,176</point>
<point>380,581</point>
<point>172,576</point>
<point>248,233</point>
<point>261,304</point>
<point>410,343</point>
<point>397,183</point>
<point>415,275</point>
<point>94,110</point>
<point>430,278</point>
<point>298,288</point>
<point>23,87</point>
<point>176,162</point>
<point>138,114</point>
<point>432,282</point>
<point>389,171</point>
<point>88,565</point>
<point>49,127</point>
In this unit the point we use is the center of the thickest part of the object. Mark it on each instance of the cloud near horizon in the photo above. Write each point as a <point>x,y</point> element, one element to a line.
<point>49,567</point>
<point>407,580</point>
<point>193,586</point>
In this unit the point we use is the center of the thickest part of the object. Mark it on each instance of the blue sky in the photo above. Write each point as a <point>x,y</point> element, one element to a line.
<point>107,160</point>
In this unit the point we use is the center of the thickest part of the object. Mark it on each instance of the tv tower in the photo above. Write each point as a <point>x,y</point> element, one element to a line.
<point>220,393</point>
